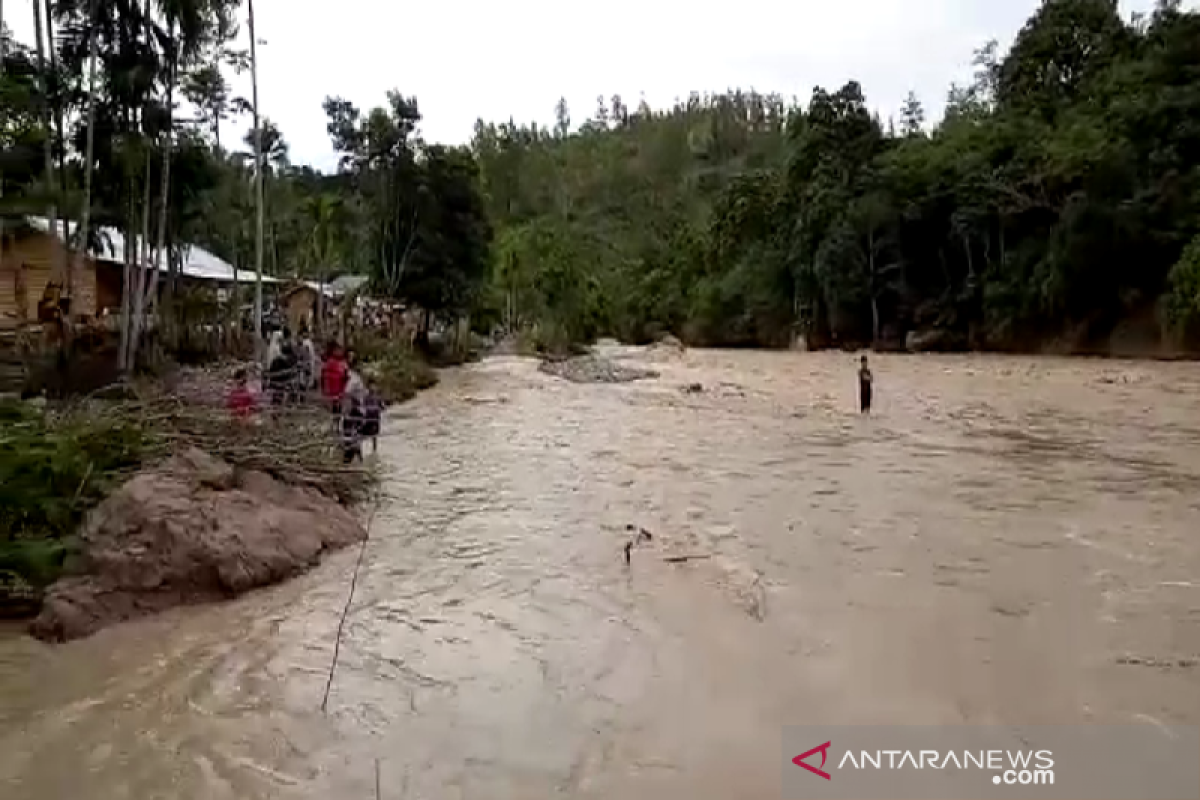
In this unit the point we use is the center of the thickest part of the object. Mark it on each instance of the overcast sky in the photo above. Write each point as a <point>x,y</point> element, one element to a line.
<point>466,59</point>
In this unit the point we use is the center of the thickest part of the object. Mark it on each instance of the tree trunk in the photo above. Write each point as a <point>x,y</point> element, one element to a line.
<point>140,278</point>
<point>3,55</point>
<point>874,319</point>
<point>126,289</point>
<point>165,186</point>
<point>258,188</point>
<point>274,250</point>
<point>89,155</point>
<point>57,112</point>
<point>319,323</point>
<point>44,113</point>
<point>873,288</point>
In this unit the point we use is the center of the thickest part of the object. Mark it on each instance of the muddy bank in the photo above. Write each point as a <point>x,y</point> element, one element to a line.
<point>191,531</point>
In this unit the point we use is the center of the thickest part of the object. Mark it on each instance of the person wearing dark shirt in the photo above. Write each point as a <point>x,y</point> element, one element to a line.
<point>281,374</point>
<point>351,424</point>
<point>372,418</point>
<point>865,379</point>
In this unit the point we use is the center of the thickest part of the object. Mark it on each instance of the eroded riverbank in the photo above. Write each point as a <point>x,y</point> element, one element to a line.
<point>1007,539</point>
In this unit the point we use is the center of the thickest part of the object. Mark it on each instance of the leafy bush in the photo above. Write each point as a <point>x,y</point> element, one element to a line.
<point>371,347</point>
<point>54,467</point>
<point>548,340</point>
<point>398,374</point>
<point>1182,301</point>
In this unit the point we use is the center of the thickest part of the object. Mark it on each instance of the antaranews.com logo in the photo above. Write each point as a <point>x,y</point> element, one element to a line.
<point>1010,767</point>
<point>1097,762</point>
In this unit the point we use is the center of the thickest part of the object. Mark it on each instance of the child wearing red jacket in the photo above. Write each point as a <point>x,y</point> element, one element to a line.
<point>241,400</point>
<point>335,376</point>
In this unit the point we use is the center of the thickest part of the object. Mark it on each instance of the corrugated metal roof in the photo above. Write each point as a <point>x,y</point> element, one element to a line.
<point>320,287</point>
<point>348,283</point>
<point>198,263</point>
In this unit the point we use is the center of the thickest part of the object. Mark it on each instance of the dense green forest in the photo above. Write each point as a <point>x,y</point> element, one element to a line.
<point>1057,200</point>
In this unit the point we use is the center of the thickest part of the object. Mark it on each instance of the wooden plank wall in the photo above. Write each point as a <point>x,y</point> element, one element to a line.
<point>29,263</point>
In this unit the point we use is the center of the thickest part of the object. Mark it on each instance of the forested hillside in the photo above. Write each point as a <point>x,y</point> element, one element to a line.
<point>1054,201</point>
<point>1053,205</point>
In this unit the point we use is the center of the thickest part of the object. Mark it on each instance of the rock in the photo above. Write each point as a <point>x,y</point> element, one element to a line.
<point>932,340</point>
<point>669,342</point>
<point>665,348</point>
<point>693,388</point>
<point>203,469</point>
<point>18,599</point>
<point>191,531</point>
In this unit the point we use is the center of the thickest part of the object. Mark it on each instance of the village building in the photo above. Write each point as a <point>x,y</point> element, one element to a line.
<point>32,260</point>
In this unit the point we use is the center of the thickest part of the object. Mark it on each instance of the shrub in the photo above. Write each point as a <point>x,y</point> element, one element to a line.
<point>398,374</point>
<point>1182,301</point>
<point>54,467</point>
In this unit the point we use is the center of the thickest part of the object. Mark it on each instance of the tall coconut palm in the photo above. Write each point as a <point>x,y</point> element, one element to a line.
<point>186,30</point>
<point>56,103</point>
<point>258,182</point>
<point>90,146</point>
<point>44,114</point>
<point>324,215</point>
<point>164,191</point>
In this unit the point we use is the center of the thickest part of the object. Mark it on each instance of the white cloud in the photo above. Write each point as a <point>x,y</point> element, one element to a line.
<point>481,58</point>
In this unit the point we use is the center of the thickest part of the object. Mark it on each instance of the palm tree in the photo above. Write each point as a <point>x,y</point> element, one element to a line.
<point>274,160</point>
<point>258,184</point>
<point>57,113</point>
<point>187,22</point>
<point>324,215</point>
<point>44,113</point>
<point>89,156</point>
<point>274,147</point>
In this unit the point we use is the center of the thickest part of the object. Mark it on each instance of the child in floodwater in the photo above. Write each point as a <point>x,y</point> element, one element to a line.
<point>241,400</point>
<point>864,387</point>
<point>351,430</point>
<point>372,417</point>
<point>335,375</point>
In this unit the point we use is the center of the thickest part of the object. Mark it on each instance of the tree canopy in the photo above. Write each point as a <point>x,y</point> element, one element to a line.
<point>1058,197</point>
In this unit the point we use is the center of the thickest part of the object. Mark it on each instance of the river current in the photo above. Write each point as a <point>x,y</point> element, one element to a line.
<point>1004,540</point>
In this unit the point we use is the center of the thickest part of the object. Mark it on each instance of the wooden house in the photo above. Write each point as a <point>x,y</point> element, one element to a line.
<point>299,304</point>
<point>32,267</point>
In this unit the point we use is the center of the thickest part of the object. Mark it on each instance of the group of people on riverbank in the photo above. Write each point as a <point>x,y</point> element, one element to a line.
<point>294,374</point>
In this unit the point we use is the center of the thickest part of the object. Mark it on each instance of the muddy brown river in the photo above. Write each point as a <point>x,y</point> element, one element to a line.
<point>1004,540</point>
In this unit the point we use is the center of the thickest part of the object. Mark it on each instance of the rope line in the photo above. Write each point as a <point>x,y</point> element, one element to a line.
<point>337,643</point>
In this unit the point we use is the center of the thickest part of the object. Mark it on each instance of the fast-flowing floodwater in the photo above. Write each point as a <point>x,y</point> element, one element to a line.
<point>1004,540</point>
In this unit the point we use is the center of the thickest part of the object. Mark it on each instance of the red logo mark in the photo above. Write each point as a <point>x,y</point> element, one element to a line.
<point>799,760</point>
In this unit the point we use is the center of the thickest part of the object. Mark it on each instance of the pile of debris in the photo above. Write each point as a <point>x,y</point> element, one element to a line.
<point>194,529</point>
<point>594,369</point>
<point>668,347</point>
<point>208,386</point>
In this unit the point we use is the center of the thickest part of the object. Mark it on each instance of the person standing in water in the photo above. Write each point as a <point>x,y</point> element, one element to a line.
<point>864,387</point>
